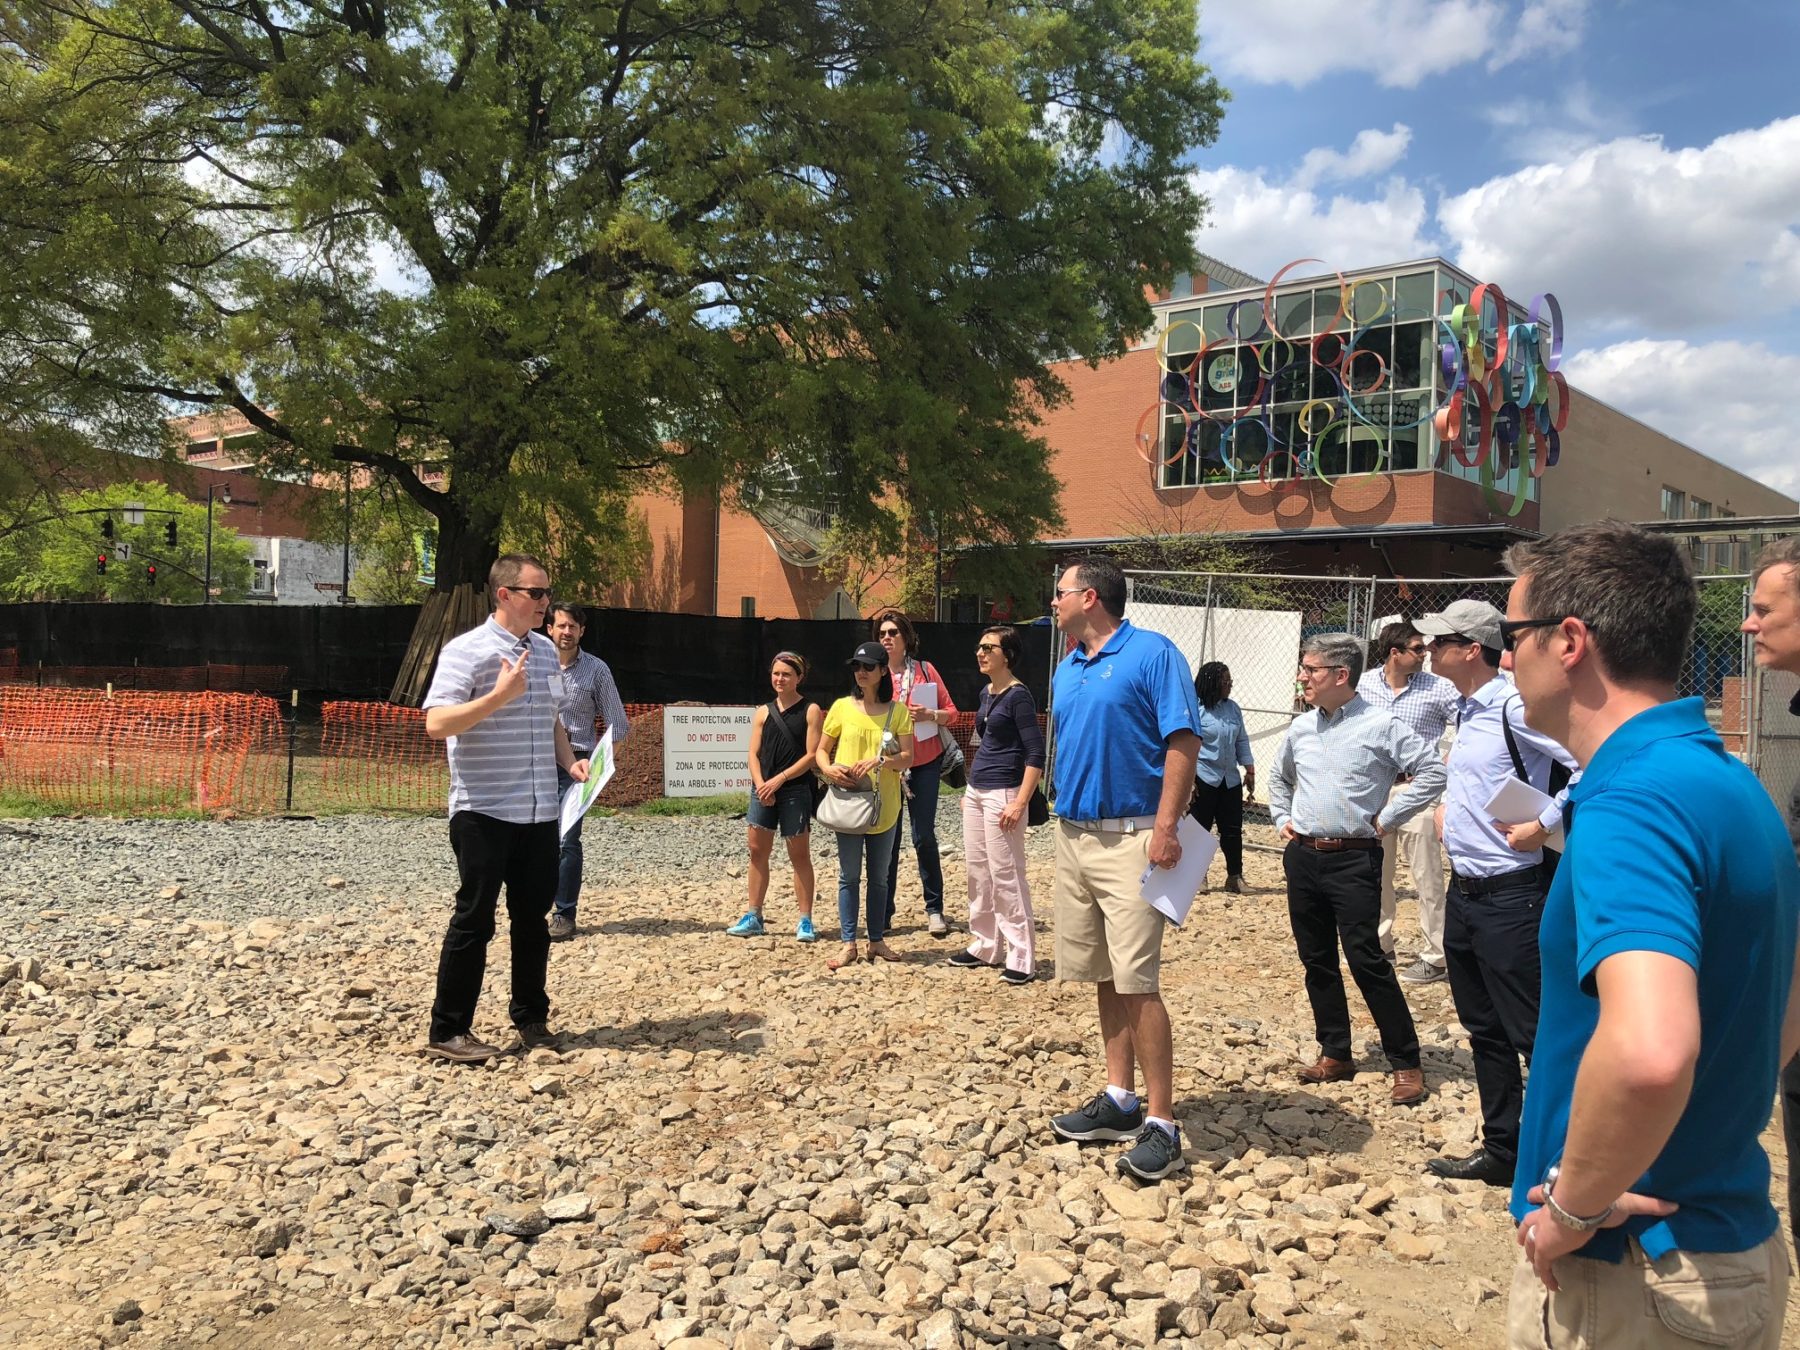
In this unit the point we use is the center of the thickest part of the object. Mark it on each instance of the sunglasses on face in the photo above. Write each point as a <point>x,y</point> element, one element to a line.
<point>1450,640</point>
<point>888,632</point>
<point>1511,628</point>
<point>535,592</point>
<point>865,665</point>
<point>1061,591</point>
<point>987,647</point>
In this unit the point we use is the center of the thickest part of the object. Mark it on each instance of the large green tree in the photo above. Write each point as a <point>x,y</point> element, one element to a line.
<point>531,254</point>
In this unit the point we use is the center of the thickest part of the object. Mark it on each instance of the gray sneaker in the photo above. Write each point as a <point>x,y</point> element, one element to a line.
<point>1423,972</point>
<point>562,927</point>
<point>1099,1119</point>
<point>1156,1155</point>
<point>936,924</point>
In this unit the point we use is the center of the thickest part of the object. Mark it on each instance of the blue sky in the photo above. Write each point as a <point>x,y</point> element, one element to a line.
<point>1641,160</point>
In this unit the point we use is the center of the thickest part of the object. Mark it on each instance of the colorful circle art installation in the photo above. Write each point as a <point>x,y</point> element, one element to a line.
<point>1504,402</point>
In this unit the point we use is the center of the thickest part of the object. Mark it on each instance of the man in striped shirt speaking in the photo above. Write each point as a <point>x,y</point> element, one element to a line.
<point>491,699</point>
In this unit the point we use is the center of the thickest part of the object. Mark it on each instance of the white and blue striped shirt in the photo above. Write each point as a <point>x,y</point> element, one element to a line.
<point>588,696</point>
<point>505,765</point>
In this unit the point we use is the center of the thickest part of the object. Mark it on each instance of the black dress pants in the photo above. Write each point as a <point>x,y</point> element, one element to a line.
<point>1491,954</point>
<point>1223,806</point>
<point>492,853</point>
<point>1790,1126</point>
<point>1335,899</point>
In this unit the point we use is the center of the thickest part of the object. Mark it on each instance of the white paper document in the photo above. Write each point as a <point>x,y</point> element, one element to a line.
<point>925,696</point>
<point>1517,802</point>
<point>1170,891</point>
<point>580,796</point>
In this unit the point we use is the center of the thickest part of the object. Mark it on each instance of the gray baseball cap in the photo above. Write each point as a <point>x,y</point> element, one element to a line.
<point>1475,619</point>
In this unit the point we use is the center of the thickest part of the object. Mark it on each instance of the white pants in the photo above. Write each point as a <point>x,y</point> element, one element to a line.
<point>999,893</point>
<point>1425,858</point>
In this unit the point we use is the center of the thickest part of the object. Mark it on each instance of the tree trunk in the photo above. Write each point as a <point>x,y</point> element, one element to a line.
<point>458,602</point>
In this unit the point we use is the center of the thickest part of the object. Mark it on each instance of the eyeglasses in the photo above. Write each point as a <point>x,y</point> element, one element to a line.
<point>987,646</point>
<point>1318,670</point>
<point>535,592</point>
<point>1418,650</point>
<point>1061,591</point>
<point>1511,628</point>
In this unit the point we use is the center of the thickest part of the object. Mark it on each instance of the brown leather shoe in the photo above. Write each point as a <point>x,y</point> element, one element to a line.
<point>463,1049</point>
<point>1328,1070</point>
<point>1409,1087</point>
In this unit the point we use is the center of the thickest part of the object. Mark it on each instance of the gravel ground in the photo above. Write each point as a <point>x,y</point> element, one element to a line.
<point>219,1132</point>
<point>255,867</point>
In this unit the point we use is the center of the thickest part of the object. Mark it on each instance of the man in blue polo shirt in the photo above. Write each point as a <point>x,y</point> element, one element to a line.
<point>1668,946</point>
<point>1127,734</point>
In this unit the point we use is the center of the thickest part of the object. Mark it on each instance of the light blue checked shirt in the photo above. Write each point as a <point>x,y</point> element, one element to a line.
<point>1333,773</point>
<point>585,694</point>
<point>1427,704</point>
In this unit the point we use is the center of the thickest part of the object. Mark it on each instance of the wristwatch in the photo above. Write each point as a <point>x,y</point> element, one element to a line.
<point>1573,1222</point>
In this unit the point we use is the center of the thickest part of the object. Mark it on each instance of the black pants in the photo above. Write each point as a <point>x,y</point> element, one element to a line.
<point>1223,806</point>
<point>1790,1126</point>
<point>1333,899</point>
<point>491,853</point>
<point>1491,953</point>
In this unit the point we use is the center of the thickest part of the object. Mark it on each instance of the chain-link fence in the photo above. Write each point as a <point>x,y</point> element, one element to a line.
<point>1256,625</point>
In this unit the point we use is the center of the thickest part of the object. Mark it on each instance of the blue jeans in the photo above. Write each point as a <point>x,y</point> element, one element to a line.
<point>568,863</point>
<point>922,812</point>
<point>879,850</point>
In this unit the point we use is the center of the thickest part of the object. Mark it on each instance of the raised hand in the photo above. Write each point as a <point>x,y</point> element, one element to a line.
<point>512,681</point>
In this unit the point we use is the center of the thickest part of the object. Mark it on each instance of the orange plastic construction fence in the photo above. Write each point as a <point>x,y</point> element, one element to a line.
<point>142,753</point>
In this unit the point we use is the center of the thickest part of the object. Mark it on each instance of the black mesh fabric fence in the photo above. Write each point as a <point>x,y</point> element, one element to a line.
<point>354,652</point>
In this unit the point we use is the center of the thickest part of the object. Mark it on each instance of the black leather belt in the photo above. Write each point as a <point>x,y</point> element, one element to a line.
<point>1506,880</point>
<point>1336,845</point>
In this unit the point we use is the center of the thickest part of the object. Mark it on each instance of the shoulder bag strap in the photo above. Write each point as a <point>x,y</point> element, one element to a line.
<point>1512,745</point>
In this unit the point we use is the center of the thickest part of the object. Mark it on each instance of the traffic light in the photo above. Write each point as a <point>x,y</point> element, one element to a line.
<point>169,533</point>
<point>100,567</point>
<point>106,527</point>
<point>150,573</point>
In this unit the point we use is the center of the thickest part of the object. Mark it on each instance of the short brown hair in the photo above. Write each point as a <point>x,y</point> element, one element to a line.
<point>1779,553</point>
<point>506,569</point>
<point>1393,637</point>
<point>1633,589</point>
<point>908,634</point>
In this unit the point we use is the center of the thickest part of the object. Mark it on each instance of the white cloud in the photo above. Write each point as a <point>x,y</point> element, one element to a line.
<point>1372,152</point>
<point>1730,400</point>
<point>1259,223</point>
<point>1396,42</point>
<point>1633,235</point>
<point>1538,130</point>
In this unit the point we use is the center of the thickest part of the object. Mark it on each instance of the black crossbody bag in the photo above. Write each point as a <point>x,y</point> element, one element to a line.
<point>793,752</point>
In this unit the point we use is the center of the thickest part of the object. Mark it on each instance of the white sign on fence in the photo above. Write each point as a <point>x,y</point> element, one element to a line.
<point>706,751</point>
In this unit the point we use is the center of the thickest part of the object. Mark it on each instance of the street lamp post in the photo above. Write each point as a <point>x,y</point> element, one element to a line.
<point>224,491</point>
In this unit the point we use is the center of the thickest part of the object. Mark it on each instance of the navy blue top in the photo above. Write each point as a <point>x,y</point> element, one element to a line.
<point>1008,738</point>
<point>1674,847</point>
<point>1115,712</point>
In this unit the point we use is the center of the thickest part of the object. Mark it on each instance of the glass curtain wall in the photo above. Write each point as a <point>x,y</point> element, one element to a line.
<point>1333,382</point>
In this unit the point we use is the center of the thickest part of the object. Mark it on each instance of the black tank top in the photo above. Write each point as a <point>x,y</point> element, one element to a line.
<point>776,755</point>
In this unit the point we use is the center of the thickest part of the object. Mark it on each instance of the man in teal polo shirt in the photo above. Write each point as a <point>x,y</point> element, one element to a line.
<point>1668,946</point>
<point>1127,735</point>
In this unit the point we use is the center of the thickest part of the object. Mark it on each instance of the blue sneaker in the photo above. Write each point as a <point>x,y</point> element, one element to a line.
<point>1157,1154</point>
<point>748,926</point>
<point>803,931</point>
<point>1100,1119</point>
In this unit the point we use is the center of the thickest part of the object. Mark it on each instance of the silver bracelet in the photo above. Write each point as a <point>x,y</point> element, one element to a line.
<point>1575,1223</point>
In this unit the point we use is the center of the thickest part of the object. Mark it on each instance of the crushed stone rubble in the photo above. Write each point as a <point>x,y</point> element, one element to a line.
<point>219,1129</point>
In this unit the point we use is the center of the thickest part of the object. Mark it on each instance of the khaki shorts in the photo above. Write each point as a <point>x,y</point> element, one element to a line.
<point>1104,928</point>
<point>1677,1302</point>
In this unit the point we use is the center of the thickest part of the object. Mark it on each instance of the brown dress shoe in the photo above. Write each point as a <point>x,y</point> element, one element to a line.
<point>1409,1087</point>
<point>1328,1070</point>
<point>463,1049</point>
